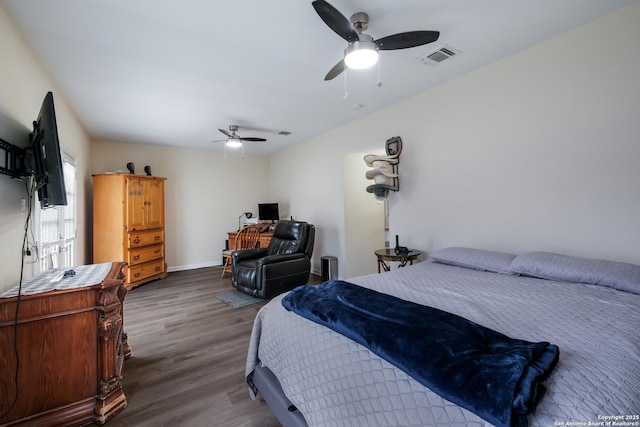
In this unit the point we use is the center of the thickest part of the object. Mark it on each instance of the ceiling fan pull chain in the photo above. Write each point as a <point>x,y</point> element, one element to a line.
<point>346,94</point>
<point>225,151</point>
<point>242,150</point>
<point>379,79</point>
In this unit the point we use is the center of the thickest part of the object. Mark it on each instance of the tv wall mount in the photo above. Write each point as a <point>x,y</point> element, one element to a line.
<point>13,160</point>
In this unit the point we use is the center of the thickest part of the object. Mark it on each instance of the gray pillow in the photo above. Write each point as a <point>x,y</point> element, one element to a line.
<point>547,265</point>
<point>477,259</point>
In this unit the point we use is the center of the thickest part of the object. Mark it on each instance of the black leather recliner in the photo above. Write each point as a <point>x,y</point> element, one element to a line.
<point>283,265</point>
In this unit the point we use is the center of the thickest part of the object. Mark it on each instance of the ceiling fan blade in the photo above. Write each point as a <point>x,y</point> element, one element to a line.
<point>335,20</point>
<point>335,71</point>
<point>252,139</point>
<point>407,40</point>
<point>225,132</point>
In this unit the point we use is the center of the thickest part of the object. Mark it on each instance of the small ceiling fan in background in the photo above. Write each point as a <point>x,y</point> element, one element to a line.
<point>362,50</point>
<point>234,140</point>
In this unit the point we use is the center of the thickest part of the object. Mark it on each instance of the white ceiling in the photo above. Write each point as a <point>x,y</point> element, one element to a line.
<point>173,72</point>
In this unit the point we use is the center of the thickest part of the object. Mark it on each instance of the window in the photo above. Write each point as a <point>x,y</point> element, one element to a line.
<point>55,227</point>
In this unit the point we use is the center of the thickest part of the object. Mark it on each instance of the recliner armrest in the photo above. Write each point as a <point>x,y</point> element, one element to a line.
<point>273,259</point>
<point>242,255</point>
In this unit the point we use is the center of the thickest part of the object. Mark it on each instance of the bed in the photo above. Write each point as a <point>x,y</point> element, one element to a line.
<point>312,375</point>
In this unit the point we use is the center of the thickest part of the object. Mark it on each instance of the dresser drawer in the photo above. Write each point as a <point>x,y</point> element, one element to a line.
<point>144,254</point>
<point>145,239</point>
<point>140,272</point>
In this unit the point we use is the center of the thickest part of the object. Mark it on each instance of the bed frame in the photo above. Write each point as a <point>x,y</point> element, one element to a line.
<point>265,382</point>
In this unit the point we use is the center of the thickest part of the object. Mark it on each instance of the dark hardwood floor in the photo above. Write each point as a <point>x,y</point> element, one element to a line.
<point>189,352</point>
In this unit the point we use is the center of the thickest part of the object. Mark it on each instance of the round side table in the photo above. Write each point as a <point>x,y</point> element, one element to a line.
<point>389,254</point>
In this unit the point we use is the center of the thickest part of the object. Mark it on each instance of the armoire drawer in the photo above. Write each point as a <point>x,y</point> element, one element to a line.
<point>140,272</point>
<point>146,238</point>
<point>144,254</point>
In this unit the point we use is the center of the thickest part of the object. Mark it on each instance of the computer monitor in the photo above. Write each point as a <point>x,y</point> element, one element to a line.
<point>268,212</point>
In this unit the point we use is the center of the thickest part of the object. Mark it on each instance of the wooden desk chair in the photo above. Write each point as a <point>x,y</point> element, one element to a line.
<point>246,238</point>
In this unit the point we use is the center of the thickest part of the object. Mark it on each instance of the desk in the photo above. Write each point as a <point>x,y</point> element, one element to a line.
<point>263,242</point>
<point>388,254</point>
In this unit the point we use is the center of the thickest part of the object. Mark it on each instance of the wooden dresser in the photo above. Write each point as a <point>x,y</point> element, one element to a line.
<point>70,349</point>
<point>128,225</point>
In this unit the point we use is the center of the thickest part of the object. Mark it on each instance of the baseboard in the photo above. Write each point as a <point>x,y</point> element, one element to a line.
<point>211,264</point>
<point>194,266</point>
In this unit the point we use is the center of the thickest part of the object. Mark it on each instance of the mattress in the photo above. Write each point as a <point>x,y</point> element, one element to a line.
<point>334,381</point>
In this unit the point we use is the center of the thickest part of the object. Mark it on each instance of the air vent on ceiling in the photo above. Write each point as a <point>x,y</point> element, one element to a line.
<point>439,55</point>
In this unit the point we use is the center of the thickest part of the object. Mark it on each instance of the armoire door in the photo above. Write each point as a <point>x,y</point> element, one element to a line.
<point>154,199</point>
<point>135,204</point>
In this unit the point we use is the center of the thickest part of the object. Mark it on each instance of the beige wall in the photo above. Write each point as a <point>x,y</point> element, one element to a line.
<point>23,85</point>
<point>535,152</point>
<point>364,216</point>
<point>204,194</point>
<point>538,151</point>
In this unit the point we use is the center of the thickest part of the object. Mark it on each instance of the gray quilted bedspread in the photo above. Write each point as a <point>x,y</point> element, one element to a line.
<point>337,382</point>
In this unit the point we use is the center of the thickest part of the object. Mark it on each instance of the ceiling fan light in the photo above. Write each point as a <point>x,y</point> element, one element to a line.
<point>360,55</point>
<point>234,143</point>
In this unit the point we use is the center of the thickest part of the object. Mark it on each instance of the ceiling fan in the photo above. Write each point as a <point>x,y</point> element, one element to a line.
<point>362,50</point>
<point>234,140</point>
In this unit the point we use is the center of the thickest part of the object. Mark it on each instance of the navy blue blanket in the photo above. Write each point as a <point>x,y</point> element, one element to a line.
<point>494,376</point>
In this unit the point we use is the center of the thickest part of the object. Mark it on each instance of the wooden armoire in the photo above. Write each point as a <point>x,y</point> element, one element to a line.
<point>128,225</point>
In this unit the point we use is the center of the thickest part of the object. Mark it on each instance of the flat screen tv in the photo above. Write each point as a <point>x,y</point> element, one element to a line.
<point>268,212</point>
<point>43,157</point>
